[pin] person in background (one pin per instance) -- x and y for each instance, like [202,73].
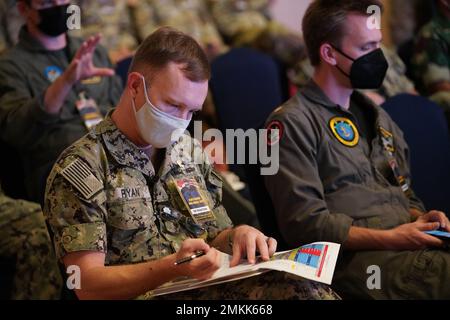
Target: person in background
[248,23]
[191,16]
[431,60]
[10,23]
[113,19]
[53,88]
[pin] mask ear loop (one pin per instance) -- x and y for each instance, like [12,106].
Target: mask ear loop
[345,55]
[145,90]
[133,99]
[133,104]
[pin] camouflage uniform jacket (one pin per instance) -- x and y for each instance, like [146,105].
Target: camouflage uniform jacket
[431,61]
[103,195]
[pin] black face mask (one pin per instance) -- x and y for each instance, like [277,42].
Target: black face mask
[54,20]
[368,71]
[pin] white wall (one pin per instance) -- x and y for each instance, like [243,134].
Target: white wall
[290,12]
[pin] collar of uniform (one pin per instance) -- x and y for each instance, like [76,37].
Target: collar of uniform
[27,41]
[314,93]
[121,148]
[180,154]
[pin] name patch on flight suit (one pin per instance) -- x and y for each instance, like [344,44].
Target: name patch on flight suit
[345,131]
[131,193]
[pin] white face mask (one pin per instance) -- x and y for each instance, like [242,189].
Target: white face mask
[157,128]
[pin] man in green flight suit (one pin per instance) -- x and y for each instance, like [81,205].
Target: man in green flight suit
[344,175]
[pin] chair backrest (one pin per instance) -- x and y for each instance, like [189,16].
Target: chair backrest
[263,204]
[122,69]
[246,86]
[11,172]
[7,273]
[425,129]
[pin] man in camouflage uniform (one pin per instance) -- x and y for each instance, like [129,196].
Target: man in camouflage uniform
[24,239]
[112,199]
[111,18]
[248,23]
[431,61]
[395,82]
[191,16]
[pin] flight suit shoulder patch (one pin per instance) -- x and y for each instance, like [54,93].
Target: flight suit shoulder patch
[275,131]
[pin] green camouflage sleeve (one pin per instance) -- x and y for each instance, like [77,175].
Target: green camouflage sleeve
[77,221]
[431,61]
[26,241]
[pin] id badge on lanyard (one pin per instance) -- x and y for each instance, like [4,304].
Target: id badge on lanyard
[88,110]
[193,199]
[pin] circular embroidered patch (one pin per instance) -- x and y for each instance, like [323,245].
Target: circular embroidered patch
[345,131]
[52,73]
[275,130]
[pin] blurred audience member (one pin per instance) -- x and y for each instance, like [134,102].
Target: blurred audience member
[191,16]
[247,22]
[112,19]
[53,88]
[10,23]
[431,60]
[407,18]
[26,242]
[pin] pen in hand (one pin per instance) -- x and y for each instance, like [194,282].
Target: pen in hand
[197,254]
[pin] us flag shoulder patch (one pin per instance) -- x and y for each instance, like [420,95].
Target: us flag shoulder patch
[80,176]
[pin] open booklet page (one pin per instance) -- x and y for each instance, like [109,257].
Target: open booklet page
[314,261]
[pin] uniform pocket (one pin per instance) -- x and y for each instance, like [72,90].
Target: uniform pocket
[131,214]
[132,233]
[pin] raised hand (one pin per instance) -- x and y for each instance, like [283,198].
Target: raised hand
[82,66]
